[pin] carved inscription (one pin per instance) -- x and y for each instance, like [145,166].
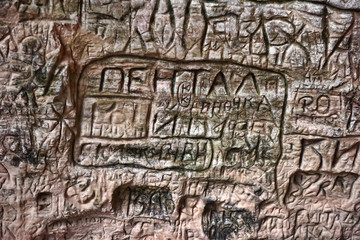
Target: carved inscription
[151,107]
[142,202]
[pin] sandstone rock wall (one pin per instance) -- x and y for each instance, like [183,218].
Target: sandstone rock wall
[179,119]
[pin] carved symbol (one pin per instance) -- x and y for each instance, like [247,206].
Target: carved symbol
[184,94]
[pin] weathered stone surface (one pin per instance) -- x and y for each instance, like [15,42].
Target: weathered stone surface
[179,119]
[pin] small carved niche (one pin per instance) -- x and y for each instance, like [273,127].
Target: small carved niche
[44,201]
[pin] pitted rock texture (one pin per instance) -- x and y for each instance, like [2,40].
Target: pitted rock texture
[179,119]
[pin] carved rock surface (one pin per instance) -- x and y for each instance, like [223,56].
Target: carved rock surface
[179,119]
